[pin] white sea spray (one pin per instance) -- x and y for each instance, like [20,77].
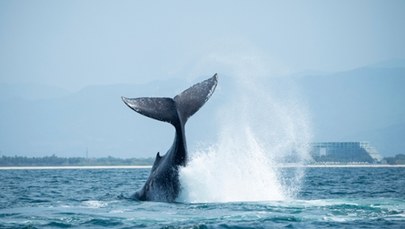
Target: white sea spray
[260,127]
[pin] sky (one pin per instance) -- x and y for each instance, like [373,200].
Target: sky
[73,44]
[65,47]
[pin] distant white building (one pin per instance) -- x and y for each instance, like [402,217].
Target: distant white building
[345,152]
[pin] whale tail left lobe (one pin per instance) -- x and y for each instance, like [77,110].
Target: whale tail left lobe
[177,110]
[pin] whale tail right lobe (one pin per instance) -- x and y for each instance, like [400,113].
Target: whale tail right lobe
[177,110]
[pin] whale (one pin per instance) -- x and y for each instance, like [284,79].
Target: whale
[163,183]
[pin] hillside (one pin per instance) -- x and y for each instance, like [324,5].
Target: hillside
[93,119]
[366,104]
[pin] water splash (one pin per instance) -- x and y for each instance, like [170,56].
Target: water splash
[230,172]
[261,127]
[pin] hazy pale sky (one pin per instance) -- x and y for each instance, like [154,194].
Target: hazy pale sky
[72,44]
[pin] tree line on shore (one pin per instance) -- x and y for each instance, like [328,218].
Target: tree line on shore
[82,161]
[70,161]
[398,159]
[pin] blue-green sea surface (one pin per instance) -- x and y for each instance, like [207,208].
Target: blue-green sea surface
[93,198]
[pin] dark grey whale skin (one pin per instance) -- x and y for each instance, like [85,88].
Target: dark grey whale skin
[163,183]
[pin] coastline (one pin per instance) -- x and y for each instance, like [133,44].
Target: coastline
[76,167]
[149,166]
[343,166]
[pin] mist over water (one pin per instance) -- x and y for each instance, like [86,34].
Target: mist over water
[261,126]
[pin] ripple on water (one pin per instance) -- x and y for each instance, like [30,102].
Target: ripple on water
[90,201]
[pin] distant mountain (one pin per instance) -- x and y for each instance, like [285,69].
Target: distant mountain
[393,63]
[30,91]
[365,104]
[93,119]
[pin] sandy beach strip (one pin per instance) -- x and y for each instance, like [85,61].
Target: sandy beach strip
[341,166]
[149,166]
[76,167]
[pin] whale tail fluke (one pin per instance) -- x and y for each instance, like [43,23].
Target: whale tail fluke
[162,109]
[178,109]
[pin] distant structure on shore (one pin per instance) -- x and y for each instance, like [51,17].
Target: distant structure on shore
[344,152]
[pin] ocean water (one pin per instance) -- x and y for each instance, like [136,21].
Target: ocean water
[95,198]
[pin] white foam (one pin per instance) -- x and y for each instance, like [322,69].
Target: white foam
[225,173]
[94,204]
